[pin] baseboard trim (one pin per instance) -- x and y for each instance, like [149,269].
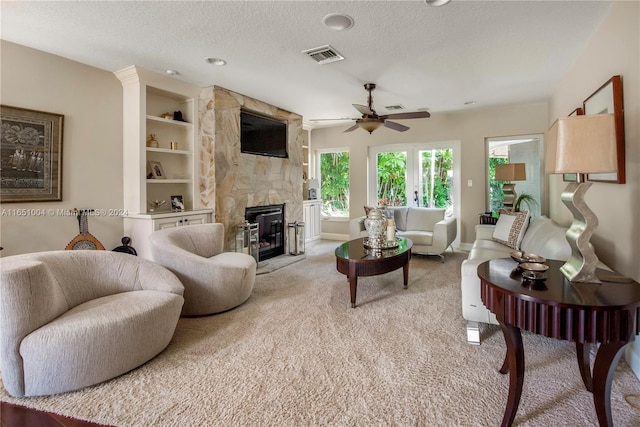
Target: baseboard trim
[334,236]
[465,246]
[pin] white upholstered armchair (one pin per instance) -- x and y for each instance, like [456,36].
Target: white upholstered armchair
[428,229]
[214,281]
[71,319]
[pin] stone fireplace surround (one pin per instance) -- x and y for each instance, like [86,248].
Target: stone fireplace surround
[231,181]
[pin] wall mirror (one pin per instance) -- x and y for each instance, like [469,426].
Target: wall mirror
[608,100]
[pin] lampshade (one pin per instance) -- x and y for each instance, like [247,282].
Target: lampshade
[369,124]
[511,172]
[582,144]
[313,183]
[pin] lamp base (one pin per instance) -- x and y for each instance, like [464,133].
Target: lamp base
[509,191]
[581,265]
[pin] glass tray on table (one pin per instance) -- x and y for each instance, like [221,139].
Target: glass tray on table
[386,244]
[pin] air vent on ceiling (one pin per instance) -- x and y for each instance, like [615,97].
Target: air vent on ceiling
[394,107]
[323,54]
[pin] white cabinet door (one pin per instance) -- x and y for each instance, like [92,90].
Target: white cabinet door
[311,211]
[315,221]
[161,224]
[195,219]
[179,221]
[307,222]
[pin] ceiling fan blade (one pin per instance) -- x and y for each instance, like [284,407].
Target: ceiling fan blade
[414,115]
[363,109]
[395,126]
[352,128]
[334,120]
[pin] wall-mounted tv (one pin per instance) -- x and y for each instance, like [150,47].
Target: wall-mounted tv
[261,135]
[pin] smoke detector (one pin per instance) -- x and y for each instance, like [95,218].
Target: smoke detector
[323,54]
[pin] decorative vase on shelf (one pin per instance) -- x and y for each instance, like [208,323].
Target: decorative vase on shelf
[152,142]
[376,226]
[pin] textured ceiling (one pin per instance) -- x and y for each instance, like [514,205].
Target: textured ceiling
[491,52]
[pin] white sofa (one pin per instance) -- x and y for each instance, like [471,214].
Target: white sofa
[428,229]
[542,237]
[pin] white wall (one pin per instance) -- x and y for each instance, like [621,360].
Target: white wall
[470,128]
[614,49]
[91,102]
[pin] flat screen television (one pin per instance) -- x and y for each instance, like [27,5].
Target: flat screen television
[262,135]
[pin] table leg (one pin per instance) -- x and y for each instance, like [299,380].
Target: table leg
[515,359]
[353,282]
[405,271]
[582,352]
[604,367]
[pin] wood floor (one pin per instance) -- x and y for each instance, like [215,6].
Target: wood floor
[19,416]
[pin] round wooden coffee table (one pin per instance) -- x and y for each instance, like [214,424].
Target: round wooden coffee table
[353,260]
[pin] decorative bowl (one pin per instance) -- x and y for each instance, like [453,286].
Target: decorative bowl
[534,270]
[522,257]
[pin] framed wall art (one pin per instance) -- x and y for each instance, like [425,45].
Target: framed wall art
[30,155]
[608,100]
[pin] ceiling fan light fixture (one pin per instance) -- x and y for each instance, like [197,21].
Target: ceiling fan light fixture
[369,124]
[436,2]
[337,21]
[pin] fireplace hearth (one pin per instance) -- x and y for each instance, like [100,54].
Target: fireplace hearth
[270,220]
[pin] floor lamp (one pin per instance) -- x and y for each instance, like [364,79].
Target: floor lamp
[510,172]
[581,145]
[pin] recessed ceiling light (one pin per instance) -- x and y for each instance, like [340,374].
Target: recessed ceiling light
[436,2]
[337,21]
[215,61]
[172,72]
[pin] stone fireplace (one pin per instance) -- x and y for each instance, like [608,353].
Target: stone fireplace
[231,181]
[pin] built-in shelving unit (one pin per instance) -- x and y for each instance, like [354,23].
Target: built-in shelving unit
[307,169]
[147,97]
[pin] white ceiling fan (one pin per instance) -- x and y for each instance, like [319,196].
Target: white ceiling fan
[371,120]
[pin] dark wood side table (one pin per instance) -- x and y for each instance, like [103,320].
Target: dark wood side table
[353,260]
[487,218]
[586,313]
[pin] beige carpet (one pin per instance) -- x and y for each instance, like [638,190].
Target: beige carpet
[297,354]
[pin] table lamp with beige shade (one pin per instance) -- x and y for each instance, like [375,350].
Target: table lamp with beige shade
[581,145]
[510,172]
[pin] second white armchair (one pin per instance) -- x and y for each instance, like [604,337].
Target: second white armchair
[214,281]
[428,229]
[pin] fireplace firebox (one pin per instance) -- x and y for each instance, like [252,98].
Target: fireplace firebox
[270,220]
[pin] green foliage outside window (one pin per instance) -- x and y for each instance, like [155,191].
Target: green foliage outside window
[496,196]
[437,167]
[334,183]
[392,171]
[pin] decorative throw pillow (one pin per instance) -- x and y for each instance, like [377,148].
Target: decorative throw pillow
[367,209]
[510,228]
